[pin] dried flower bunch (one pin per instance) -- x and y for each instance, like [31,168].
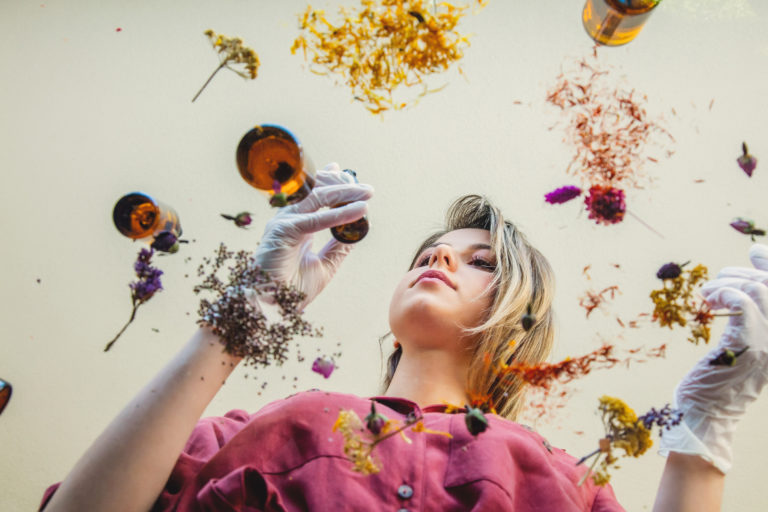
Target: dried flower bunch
[234,313]
[142,290]
[383,45]
[625,431]
[360,440]
[678,303]
[231,51]
[611,130]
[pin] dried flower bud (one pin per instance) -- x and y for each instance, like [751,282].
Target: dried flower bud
[746,161]
[747,227]
[241,220]
[278,200]
[324,366]
[476,421]
[166,241]
[727,357]
[528,319]
[670,270]
[562,194]
[374,422]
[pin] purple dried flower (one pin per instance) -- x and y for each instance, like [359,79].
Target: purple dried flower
[747,227]
[605,204]
[374,422]
[324,366]
[727,357]
[746,161]
[241,220]
[166,242]
[670,270]
[665,419]
[562,194]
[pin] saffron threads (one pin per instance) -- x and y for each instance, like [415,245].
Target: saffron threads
[141,290]
[382,46]
[231,51]
[593,300]
[611,131]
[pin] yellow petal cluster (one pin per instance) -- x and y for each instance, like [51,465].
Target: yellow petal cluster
[382,45]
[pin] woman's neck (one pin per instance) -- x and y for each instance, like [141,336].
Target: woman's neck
[430,377]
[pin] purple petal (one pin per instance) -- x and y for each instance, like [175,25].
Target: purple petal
[562,194]
[747,164]
[323,366]
[743,226]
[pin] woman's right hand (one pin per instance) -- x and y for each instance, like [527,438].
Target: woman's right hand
[285,250]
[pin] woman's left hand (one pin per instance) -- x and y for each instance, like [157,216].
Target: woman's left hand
[713,397]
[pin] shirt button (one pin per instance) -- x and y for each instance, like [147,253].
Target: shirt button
[405,491]
[403,510]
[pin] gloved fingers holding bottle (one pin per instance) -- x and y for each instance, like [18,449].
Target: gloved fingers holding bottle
[285,251]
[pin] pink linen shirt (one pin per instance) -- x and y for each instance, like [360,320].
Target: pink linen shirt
[285,457]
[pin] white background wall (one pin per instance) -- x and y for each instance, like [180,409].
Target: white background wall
[90,113]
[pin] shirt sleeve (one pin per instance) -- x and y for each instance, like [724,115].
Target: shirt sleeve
[207,438]
[605,501]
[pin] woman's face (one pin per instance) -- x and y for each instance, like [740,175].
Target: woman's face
[445,291]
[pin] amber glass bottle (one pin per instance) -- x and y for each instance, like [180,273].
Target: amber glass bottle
[137,215]
[616,22]
[271,159]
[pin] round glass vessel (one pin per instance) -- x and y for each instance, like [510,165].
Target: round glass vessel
[616,22]
[137,215]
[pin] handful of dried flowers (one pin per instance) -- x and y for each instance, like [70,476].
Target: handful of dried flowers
[677,303]
[235,315]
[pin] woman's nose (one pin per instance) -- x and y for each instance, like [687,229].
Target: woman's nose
[444,257]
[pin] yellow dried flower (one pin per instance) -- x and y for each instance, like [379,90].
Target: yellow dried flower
[231,51]
[382,45]
[357,450]
[676,303]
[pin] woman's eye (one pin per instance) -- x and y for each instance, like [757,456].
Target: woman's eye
[424,260]
[484,264]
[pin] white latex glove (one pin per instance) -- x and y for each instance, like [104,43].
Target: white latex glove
[713,398]
[285,250]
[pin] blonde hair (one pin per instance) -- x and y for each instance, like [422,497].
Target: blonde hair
[522,276]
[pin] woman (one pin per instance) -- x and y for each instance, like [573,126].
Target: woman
[464,296]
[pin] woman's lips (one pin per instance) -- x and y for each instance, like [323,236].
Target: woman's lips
[435,274]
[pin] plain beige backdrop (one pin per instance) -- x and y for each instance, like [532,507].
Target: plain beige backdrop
[89,113]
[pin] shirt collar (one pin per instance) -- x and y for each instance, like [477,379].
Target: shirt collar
[405,406]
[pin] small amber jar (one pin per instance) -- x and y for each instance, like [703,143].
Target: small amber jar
[137,215]
[616,22]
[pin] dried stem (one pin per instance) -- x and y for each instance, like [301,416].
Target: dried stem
[209,80]
[133,315]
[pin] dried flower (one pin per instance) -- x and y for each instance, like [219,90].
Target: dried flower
[382,45]
[241,220]
[605,204]
[727,357]
[676,303]
[475,420]
[375,422]
[324,366]
[235,315]
[747,227]
[665,418]
[142,290]
[528,319]
[359,449]
[746,161]
[231,51]
[166,241]
[562,194]
[624,431]
[670,270]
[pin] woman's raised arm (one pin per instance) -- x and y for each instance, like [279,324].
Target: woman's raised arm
[714,395]
[128,465]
